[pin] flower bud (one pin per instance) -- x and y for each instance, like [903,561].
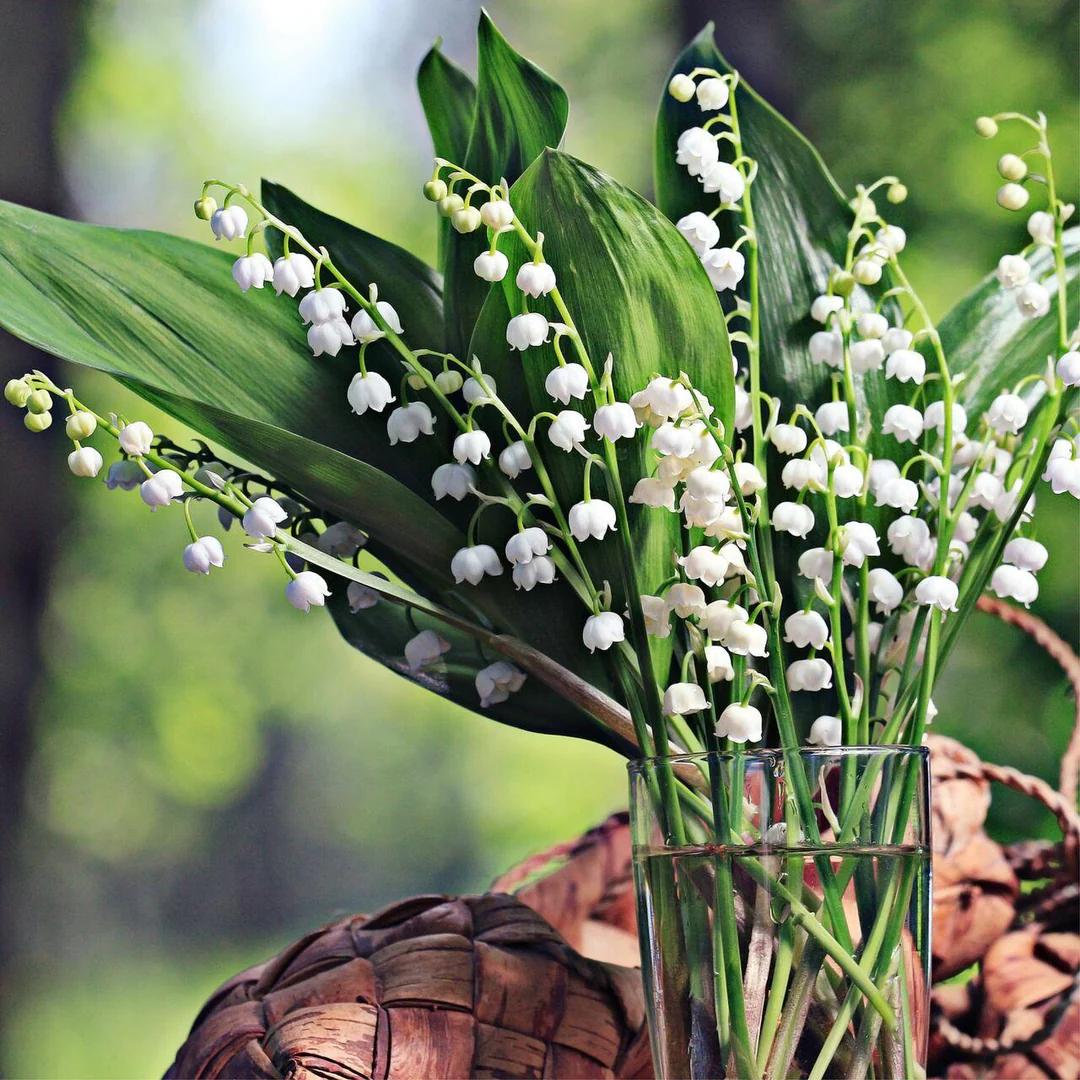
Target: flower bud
[449,382]
[896,193]
[85,461]
[712,94]
[435,190]
[451,204]
[136,439]
[841,282]
[205,207]
[1068,368]
[497,214]
[37,421]
[681,87]
[17,392]
[80,425]
[1012,197]
[866,271]
[415,381]
[986,127]
[39,402]
[1012,167]
[465,220]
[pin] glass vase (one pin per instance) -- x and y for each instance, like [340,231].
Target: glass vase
[784,912]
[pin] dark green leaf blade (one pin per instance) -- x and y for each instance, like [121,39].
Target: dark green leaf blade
[520,110]
[448,97]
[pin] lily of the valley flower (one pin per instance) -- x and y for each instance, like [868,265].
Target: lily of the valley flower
[592,518]
[363,325]
[705,564]
[1032,300]
[718,664]
[657,616]
[262,518]
[712,94]
[229,222]
[615,421]
[252,271]
[794,518]
[523,545]
[85,461]
[528,330]
[725,267]
[938,592]
[1040,227]
[568,429]
[307,590]
[1007,414]
[684,698]
[810,675]
[497,214]
[806,629]
[885,590]
[904,423]
[1012,271]
[826,731]
[686,599]
[1026,554]
[901,493]
[472,563]
[514,459]
[407,423]
[1013,583]
[858,541]
[322,305]
[788,438]
[328,337]
[700,230]
[866,356]
[905,365]
[293,272]
[361,597]
[539,570]
[472,446]
[425,648]
[725,180]
[369,391]
[746,639]
[535,279]
[1068,368]
[491,265]
[204,553]
[697,150]
[125,475]
[816,563]
[602,631]
[498,681]
[161,489]
[452,480]
[136,439]
[739,723]
[567,381]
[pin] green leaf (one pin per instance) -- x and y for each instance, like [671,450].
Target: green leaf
[520,110]
[634,289]
[986,339]
[448,96]
[164,316]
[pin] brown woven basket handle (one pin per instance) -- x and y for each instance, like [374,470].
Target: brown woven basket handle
[1068,661]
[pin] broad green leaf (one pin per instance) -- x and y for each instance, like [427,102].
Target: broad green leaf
[404,280]
[520,110]
[164,315]
[635,290]
[986,339]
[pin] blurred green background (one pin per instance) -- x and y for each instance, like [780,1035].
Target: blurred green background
[193,773]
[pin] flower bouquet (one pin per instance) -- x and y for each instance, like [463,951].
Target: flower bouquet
[699,480]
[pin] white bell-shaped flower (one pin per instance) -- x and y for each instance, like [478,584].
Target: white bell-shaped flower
[369,391]
[136,439]
[491,265]
[497,214]
[203,554]
[328,337]
[655,492]
[884,589]
[498,681]
[794,518]
[788,438]
[802,474]
[593,518]
[748,477]
[725,267]
[697,150]
[568,429]
[712,94]
[425,648]
[252,271]
[700,231]
[1012,583]
[672,439]
[718,664]
[938,592]
[900,493]
[293,272]
[229,222]
[514,459]
[746,639]
[847,481]
[125,475]
[810,675]
[934,417]
[528,330]
[903,422]
[663,399]
[615,421]
[540,570]
[825,307]
[535,279]
[452,480]
[986,489]
[263,517]
[1032,300]
[967,528]
[817,563]
[85,461]
[567,381]
[472,563]
[364,327]
[906,365]
[872,325]
[684,698]
[1007,414]
[806,630]
[705,564]
[161,488]
[523,545]
[709,484]
[826,731]
[361,597]
[896,339]
[725,180]
[866,356]
[307,590]
[739,723]
[341,540]
[657,616]
[832,417]
[882,470]
[472,446]
[686,600]
[322,305]
[858,541]
[1040,227]
[827,347]
[479,389]
[892,238]
[1068,368]
[719,617]
[1063,475]
[1026,554]
[867,270]
[602,631]
[408,422]
[1012,271]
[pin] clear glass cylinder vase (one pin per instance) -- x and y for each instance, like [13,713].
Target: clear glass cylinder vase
[784,911]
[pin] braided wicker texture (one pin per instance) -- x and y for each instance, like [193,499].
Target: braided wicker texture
[474,987]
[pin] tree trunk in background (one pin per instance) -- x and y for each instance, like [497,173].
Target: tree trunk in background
[36,47]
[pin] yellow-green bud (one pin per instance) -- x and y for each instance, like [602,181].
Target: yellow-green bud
[1012,167]
[416,382]
[681,87]
[17,392]
[465,220]
[986,126]
[40,401]
[205,207]
[449,382]
[841,283]
[896,193]
[37,421]
[435,190]
[450,204]
[80,425]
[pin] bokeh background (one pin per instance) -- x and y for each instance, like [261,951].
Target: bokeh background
[192,773]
